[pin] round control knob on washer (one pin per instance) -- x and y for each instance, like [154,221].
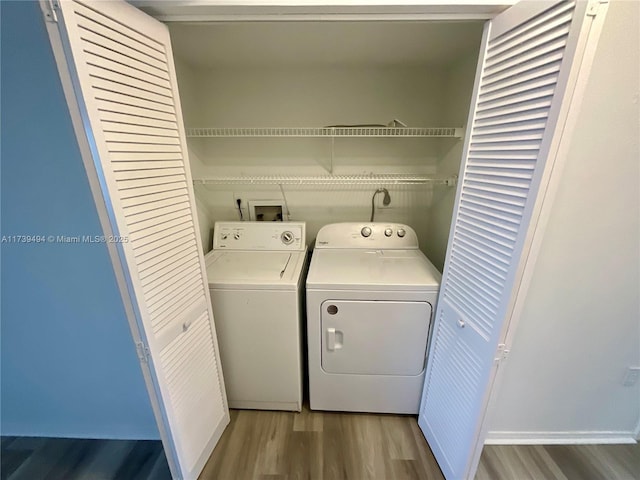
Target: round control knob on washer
[401,232]
[287,237]
[388,232]
[366,231]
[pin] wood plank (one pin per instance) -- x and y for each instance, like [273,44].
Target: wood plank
[313,445]
[108,458]
[43,460]
[140,460]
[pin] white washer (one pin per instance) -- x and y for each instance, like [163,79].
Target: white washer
[370,297]
[256,279]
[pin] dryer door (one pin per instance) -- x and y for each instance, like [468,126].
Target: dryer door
[374,337]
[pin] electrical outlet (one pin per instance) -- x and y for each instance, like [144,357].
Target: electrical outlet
[631,377]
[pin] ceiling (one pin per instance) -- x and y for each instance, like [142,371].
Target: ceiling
[281,44]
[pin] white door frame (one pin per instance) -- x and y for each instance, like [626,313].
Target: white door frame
[407,11]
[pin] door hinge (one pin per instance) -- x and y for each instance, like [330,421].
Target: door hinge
[502,352]
[50,11]
[143,352]
[594,6]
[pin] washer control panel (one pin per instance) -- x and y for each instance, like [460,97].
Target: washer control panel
[259,236]
[367,235]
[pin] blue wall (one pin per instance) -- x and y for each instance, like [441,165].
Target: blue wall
[69,367]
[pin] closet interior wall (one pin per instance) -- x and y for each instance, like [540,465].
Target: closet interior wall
[323,90]
[459,79]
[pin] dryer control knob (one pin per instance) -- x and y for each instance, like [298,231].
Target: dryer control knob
[388,232]
[401,232]
[287,237]
[366,231]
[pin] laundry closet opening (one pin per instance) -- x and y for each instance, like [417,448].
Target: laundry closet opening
[316,116]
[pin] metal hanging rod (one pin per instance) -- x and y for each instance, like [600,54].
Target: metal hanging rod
[330,132]
[389,179]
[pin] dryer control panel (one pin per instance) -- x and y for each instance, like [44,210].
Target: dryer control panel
[376,235]
[280,236]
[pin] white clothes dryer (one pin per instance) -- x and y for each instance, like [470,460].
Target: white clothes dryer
[256,281]
[370,297]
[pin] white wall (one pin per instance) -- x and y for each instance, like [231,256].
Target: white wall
[458,91]
[580,328]
[190,99]
[316,97]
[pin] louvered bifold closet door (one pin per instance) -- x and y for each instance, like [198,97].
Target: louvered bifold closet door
[121,62]
[526,59]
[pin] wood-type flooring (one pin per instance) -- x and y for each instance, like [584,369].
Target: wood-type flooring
[310,445]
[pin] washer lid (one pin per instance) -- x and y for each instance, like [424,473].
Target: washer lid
[359,269]
[237,269]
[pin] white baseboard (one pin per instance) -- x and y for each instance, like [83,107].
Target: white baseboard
[558,438]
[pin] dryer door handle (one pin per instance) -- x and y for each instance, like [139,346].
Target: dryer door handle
[334,339]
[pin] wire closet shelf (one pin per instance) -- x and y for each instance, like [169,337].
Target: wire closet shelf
[327,132]
[388,179]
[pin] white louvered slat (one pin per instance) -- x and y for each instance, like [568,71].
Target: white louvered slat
[157,272]
[498,44]
[499,84]
[133,121]
[516,101]
[478,201]
[135,138]
[156,231]
[510,183]
[85,14]
[530,86]
[501,137]
[98,35]
[127,64]
[123,99]
[497,171]
[130,89]
[134,217]
[124,68]
[167,316]
[170,302]
[483,242]
[164,319]
[159,194]
[133,112]
[137,129]
[542,43]
[163,259]
[178,271]
[132,156]
[522,108]
[176,287]
[516,97]
[102,62]
[513,119]
[530,127]
[154,249]
[128,177]
[134,151]
[493,215]
[452,358]
[191,382]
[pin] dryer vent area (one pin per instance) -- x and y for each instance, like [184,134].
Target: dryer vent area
[352,121]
